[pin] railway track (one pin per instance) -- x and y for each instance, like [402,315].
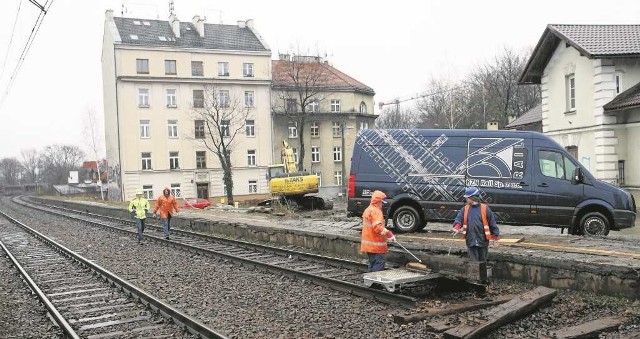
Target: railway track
[84,299]
[338,274]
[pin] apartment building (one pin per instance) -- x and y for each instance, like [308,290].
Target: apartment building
[155,76]
[336,107]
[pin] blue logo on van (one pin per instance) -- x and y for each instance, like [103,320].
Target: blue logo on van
[496,158]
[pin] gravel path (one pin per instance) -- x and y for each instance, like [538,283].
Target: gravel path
[246,303]
[21,313]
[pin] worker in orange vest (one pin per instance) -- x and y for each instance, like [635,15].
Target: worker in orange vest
[477,224]
[374,234]
[166,204]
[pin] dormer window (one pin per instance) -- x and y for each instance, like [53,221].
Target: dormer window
[161,38]
[134,37]
[146,23]
[136,22]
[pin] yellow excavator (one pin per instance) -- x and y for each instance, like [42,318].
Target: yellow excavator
[290,186]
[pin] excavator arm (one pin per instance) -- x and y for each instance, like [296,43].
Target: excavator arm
[288,159]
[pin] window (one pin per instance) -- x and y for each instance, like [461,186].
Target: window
[364,125]
[247,70]
[201,159]
[337,130]
[337,153]
[175,190]
[571,93]
[133,37]
[143,97]
[170,67]
[136,22]
[363,107]
[315,154]
[171,98]
[142,66]
[223,69]
[253,186]
[319,175]
[293,130]
[250,128]
[248,98]
[337,175]
[146,161]
[573,150]
[147,191]
[197,69]
[335,106]
[251,157]
[173,128]
[173,160]
[618,79]
[291,105]
[224,127]
[315,129]
[295,155]
[198,98]
[555,165]
[620,172]
[202,190]
[144,129]
[224,98]
[199,129]
[314,106]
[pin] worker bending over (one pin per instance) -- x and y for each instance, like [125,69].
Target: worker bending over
[477,224]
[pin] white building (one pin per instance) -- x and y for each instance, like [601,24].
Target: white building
[154,73]
[590,79]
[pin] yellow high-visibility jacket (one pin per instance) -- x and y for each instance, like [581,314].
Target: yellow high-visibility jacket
[141,206]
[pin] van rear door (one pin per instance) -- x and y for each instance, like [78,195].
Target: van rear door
[556,196]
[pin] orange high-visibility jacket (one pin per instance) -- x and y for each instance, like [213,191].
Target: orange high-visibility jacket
[373,230]
[485,221]
[165,205]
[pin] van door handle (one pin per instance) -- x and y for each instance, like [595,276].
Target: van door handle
[523,184]
[544,184]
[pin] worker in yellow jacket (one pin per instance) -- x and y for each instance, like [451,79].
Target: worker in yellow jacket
[138,208]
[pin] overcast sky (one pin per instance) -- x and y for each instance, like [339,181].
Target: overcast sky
[393,46]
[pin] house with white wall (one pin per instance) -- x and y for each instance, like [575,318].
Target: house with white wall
[590,82]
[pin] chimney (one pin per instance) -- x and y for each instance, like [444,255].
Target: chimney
[175,25]
[242,24]
[108,14]
[199,24]
[250,23]
[492,126]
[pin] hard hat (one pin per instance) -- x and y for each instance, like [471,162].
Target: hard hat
[139,192]
[471,191]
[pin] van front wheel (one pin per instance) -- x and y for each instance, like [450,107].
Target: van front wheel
[406,219]
[594,224]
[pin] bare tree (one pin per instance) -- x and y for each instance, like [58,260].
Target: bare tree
[444,106]
[10,171]
[391,117]
[223,118]
[299,82]
[92,134]
[58,160]
[31,164]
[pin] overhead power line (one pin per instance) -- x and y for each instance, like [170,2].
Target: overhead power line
[13,30]
[34,32]
[420,96]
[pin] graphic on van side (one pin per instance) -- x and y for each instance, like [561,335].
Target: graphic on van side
[496,158]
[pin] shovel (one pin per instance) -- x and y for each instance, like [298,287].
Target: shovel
[406,250]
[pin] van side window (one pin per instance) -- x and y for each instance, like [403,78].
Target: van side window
[555,165]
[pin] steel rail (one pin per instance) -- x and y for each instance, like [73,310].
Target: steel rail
[193,325]
[340,285]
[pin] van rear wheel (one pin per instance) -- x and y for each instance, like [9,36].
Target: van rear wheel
[594,224]
[406,219]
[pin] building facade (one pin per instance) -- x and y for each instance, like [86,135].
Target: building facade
[337,107]
[155,76]
[590,82]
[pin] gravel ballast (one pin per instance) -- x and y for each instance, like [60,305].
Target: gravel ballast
[245,303]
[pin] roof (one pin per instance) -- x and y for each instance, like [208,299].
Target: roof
[532,116]
[627,99]
[593,41]
[317,74]
[219,37]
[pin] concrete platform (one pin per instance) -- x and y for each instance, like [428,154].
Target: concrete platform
[607,266]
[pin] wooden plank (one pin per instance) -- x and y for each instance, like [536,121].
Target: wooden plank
[466,306]
[581,250]
[588,329]
[503,314]
[510,241]
[441,325]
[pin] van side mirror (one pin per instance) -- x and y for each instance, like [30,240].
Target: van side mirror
[577,176]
